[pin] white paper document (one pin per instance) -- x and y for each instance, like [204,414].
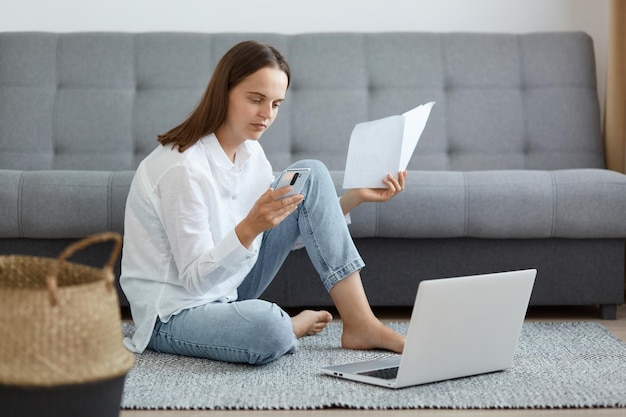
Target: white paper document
[382,147]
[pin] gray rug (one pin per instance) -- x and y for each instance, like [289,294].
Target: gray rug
[557,365]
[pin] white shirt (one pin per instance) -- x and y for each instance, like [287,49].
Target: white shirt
[180,247]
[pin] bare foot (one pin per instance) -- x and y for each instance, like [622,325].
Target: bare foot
[371,334]
[310,322]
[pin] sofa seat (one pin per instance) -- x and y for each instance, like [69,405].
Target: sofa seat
[504,204]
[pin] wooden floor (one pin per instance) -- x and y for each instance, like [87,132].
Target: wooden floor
[617,327]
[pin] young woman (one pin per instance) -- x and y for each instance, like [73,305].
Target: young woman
[205,233]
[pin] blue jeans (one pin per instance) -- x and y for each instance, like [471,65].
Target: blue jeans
[255,331]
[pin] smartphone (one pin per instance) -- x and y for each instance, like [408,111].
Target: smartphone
[294,177]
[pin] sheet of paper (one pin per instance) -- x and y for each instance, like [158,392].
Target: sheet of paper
[382,147]
[414,124]
[365,161]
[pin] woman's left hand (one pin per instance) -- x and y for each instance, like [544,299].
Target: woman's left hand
[356,196]
[380,195]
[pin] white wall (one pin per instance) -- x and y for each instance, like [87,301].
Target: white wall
[296,16]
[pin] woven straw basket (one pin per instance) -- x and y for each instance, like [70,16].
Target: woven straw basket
[61,321]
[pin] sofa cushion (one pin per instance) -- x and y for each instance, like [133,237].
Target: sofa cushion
[520,204]
[62,204]
[524,204]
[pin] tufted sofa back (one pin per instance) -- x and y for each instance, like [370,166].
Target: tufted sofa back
[96,101]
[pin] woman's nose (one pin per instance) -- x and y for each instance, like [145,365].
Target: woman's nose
[267,111]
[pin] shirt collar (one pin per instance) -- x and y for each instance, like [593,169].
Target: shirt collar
[215,153]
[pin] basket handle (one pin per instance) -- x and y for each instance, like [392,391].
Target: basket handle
[109,277]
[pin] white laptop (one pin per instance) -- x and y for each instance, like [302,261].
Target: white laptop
[459,327]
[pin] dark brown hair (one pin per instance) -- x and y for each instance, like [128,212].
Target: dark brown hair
[239,62]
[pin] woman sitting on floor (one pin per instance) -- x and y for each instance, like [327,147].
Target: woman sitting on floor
[205,233]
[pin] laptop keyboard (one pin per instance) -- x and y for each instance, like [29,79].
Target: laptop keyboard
[385,373]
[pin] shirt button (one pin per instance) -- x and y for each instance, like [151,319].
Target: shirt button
[233,197]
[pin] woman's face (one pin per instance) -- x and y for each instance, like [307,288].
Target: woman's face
[253,105]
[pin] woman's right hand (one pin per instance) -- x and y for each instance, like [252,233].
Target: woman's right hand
[266,213]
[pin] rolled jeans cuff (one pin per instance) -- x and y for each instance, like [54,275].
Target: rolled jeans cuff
[334,277]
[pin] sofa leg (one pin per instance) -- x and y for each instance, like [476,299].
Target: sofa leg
[608,311]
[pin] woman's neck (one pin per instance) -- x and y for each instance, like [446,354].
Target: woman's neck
[229,146]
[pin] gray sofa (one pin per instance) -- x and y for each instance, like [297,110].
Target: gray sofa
[509,172]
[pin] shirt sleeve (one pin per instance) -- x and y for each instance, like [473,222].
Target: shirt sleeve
[203,263]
